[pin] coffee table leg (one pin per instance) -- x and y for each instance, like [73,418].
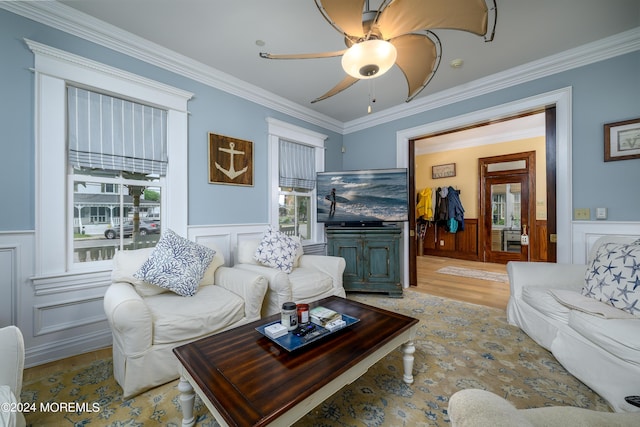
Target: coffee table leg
[408,349]
[187,398]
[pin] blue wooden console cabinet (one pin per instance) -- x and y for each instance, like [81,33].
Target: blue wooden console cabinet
[372,256]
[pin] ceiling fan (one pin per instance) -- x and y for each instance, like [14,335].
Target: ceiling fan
[398,32]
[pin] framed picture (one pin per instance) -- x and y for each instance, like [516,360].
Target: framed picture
[622,140]
[230,160]
[443,171]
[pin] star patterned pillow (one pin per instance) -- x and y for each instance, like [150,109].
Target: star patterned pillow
[277,250]
[176,264]
[614,276]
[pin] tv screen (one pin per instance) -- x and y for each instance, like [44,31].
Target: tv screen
[362,197]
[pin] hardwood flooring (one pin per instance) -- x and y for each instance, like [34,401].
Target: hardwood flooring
[468,289]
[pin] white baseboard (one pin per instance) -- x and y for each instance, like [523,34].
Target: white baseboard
[61,349]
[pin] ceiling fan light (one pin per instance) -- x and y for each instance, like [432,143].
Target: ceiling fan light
[369,59]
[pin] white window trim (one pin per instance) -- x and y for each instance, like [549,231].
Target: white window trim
[282,130]
[53,69]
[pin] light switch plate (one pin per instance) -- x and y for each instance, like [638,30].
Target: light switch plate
[601,213]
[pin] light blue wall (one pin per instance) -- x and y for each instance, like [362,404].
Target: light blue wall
[211,110]
[603,92]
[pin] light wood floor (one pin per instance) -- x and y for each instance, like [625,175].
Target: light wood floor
[476,291]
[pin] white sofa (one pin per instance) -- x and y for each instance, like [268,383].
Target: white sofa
[11,369]
[481,408]
[147,325]
[597,343]
[313,277]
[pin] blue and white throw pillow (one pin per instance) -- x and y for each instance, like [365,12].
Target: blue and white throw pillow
[614,276]
[278,250]
[176,264]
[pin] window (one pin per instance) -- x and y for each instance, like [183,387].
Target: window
[498,209]
[296,154]
[109,188]
[297,186]
[505,205]
[63,189]
[117,151]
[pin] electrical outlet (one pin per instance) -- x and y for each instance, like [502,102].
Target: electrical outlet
[582,213]
[441,242]
[601,213]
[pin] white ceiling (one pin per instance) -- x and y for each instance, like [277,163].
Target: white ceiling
[222,35]
[529,126]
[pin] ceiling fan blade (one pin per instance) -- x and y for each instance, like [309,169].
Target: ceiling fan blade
[343,15]
[344,84]
[406,16]
[418,59]
[303,55]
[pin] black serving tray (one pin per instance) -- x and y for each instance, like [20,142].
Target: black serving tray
[291,342]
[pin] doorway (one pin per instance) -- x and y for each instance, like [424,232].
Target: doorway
[507,206]
[557,106]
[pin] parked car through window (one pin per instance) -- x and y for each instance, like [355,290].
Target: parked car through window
[127,229]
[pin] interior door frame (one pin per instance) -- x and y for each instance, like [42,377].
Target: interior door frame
[529,215]
[561,101]
[413,235]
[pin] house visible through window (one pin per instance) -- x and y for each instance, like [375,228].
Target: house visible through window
[117,162]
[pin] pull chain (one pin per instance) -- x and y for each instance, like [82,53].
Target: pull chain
[372,94]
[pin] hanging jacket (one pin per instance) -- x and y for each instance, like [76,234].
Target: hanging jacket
[442,205]
[433,203]
[455,210]
[424,208]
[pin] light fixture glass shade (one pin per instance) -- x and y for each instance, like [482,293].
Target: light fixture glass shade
[369,59]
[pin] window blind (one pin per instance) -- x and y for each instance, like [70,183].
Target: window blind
[297,165]
[109,133]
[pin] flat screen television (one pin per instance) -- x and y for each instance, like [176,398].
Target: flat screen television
[364,197]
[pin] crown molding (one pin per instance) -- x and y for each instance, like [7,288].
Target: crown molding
[609,47]
[58,56]
[67,19]
[71,21]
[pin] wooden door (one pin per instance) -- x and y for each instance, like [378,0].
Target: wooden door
[507,197]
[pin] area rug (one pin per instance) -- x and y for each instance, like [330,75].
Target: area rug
[458,346]
[476,274]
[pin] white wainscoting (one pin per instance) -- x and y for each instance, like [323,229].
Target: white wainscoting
[585,233]
[225,238]
[62,316]
[59,316]
[16,262]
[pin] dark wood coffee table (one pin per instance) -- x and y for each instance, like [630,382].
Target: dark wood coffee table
[245,379]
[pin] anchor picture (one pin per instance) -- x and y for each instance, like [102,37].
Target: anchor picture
[230,160]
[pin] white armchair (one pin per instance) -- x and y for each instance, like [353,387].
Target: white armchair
[146,324]
[313,277]
[11,368]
